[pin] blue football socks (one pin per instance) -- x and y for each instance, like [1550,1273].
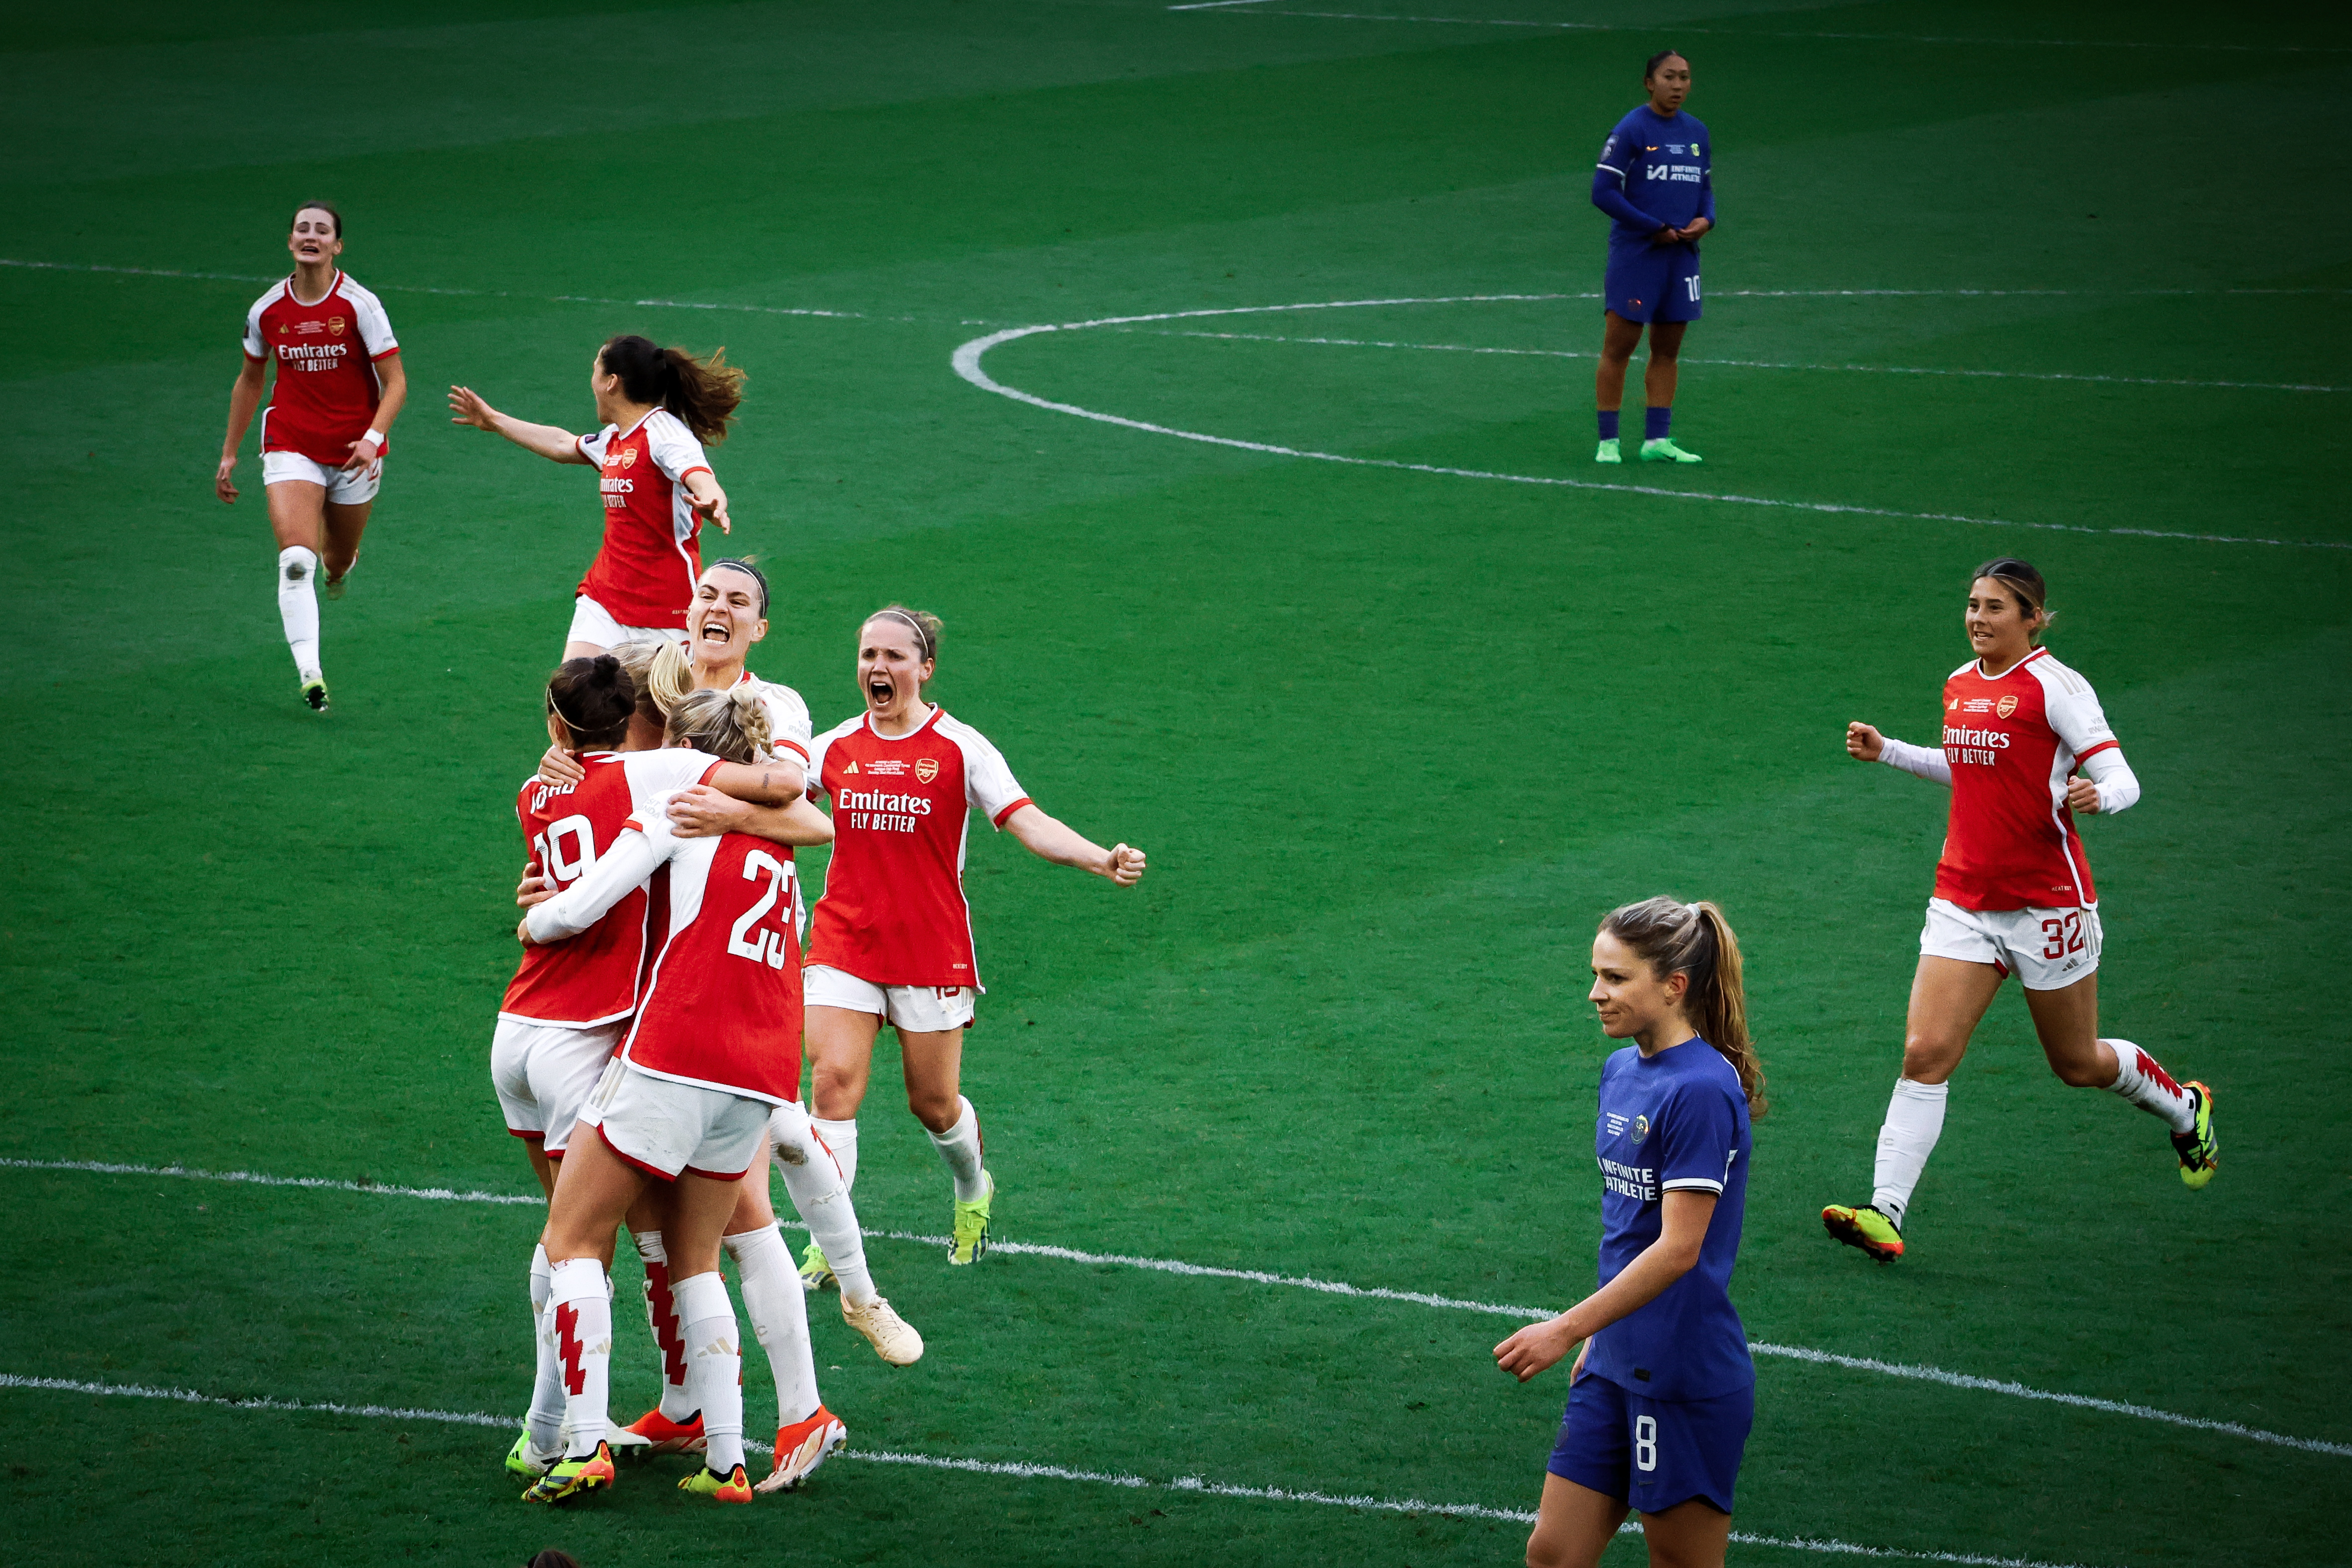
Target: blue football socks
[1656,422]
[1608,424]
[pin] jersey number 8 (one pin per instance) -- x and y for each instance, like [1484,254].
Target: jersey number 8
[1645,1443]
[764,945]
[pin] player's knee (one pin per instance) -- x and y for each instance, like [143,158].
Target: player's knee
[937,1111]
[1930,1058]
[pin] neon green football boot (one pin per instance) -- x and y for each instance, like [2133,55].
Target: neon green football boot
[1608,452]
[527,1461]
[1664,450]
[816,1274]
[971,1226]
[1866,1228]
[574,1477]
[314,692]
[2199,1150]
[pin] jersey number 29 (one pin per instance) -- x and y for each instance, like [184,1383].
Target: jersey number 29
[750,939]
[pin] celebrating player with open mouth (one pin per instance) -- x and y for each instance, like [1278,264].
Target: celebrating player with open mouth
[1662,1398]
[713,1052]
[659,407]
[891,941]
[323,436]
[1656,178]
[2013,892]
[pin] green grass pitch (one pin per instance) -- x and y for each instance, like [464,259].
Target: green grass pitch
[2072,281]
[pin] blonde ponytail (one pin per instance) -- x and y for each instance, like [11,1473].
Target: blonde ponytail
[733,723]
[670,676]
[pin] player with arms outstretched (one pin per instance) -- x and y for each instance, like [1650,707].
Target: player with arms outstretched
[324,433]
[891,939]
[2013,892]
[1656,179]
[1662,1398]
[659,408]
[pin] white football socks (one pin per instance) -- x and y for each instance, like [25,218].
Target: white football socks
[960,1151]
[2139,1079]
[714,1367]
[545,1419]
[582,1307]
[662,1317]
[773,1301]
[841,1140]
[814,1181]
[298,607]
[1915,1120]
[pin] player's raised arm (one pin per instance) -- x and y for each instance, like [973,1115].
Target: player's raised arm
[1049,838]
[551,442]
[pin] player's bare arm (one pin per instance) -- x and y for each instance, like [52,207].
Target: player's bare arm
[394,379]
[1862,743]
[1050,839]
[703,812]
[1682,1222]
[244,401]
[709,499]
[553,443]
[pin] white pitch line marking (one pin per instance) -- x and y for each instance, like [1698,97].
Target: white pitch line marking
[1016,1469]
[1761,33]
[1758,364]
[966,363]
[1261,1277]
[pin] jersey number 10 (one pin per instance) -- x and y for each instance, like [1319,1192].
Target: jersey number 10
[750,939]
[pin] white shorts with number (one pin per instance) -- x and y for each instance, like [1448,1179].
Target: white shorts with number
[344,487]
[543,1073]
[592,623]
[663,1126]
[925,1009]
[2049,949]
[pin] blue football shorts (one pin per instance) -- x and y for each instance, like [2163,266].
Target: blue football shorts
[1653,1454]
[1652,282]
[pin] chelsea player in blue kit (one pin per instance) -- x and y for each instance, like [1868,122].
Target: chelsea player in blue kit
[1656,179]
[1661,1400]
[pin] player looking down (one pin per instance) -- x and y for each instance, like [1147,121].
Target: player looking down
[323,436]
[714,1049]
[1656,179]
[2013,892]
[891,940]
[659,407]
[1661,1396]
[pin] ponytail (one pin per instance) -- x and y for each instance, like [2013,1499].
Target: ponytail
[594,698]
[733,723]
[704,393]
[1694,939]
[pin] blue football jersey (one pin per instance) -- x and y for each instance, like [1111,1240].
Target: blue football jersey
[1677,1119]
[1666,167]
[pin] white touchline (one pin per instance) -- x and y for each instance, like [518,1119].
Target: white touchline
[1761,33]
[1753,364]
[1261,1277]
[966,363]
[1014,1468]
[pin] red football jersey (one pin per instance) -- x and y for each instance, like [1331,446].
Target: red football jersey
[327,390]
[893,910]
[593,978]
[2012,743]
[645,572]
[723,1011]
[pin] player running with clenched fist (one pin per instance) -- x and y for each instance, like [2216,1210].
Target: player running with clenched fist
[323,435]
[2013,892]
[659,407]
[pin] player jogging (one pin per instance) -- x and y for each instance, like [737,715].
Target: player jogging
[2013,892]
[323,435]
[659,407]
[1656,179]
[891,941]
[1661,1396]
[713,1051]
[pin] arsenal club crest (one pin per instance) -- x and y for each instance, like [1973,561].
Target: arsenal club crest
[926,769]
[2004,707]
[628,456]
[335,325]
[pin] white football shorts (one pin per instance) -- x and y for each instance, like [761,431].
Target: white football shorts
[344,489]
[664,1127]
[543,1073]
[2048,949]
[925,1009]
[592,623]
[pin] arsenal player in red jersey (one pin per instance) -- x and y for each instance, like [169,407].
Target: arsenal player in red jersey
[2013,892]
[891,941]
[324,436]
[659,408]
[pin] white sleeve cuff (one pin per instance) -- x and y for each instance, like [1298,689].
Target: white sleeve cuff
[1693,1184]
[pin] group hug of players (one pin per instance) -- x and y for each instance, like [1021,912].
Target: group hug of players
[649,1050]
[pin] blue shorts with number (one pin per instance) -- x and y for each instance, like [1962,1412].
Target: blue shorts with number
[1652,282]
[1652,1454]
